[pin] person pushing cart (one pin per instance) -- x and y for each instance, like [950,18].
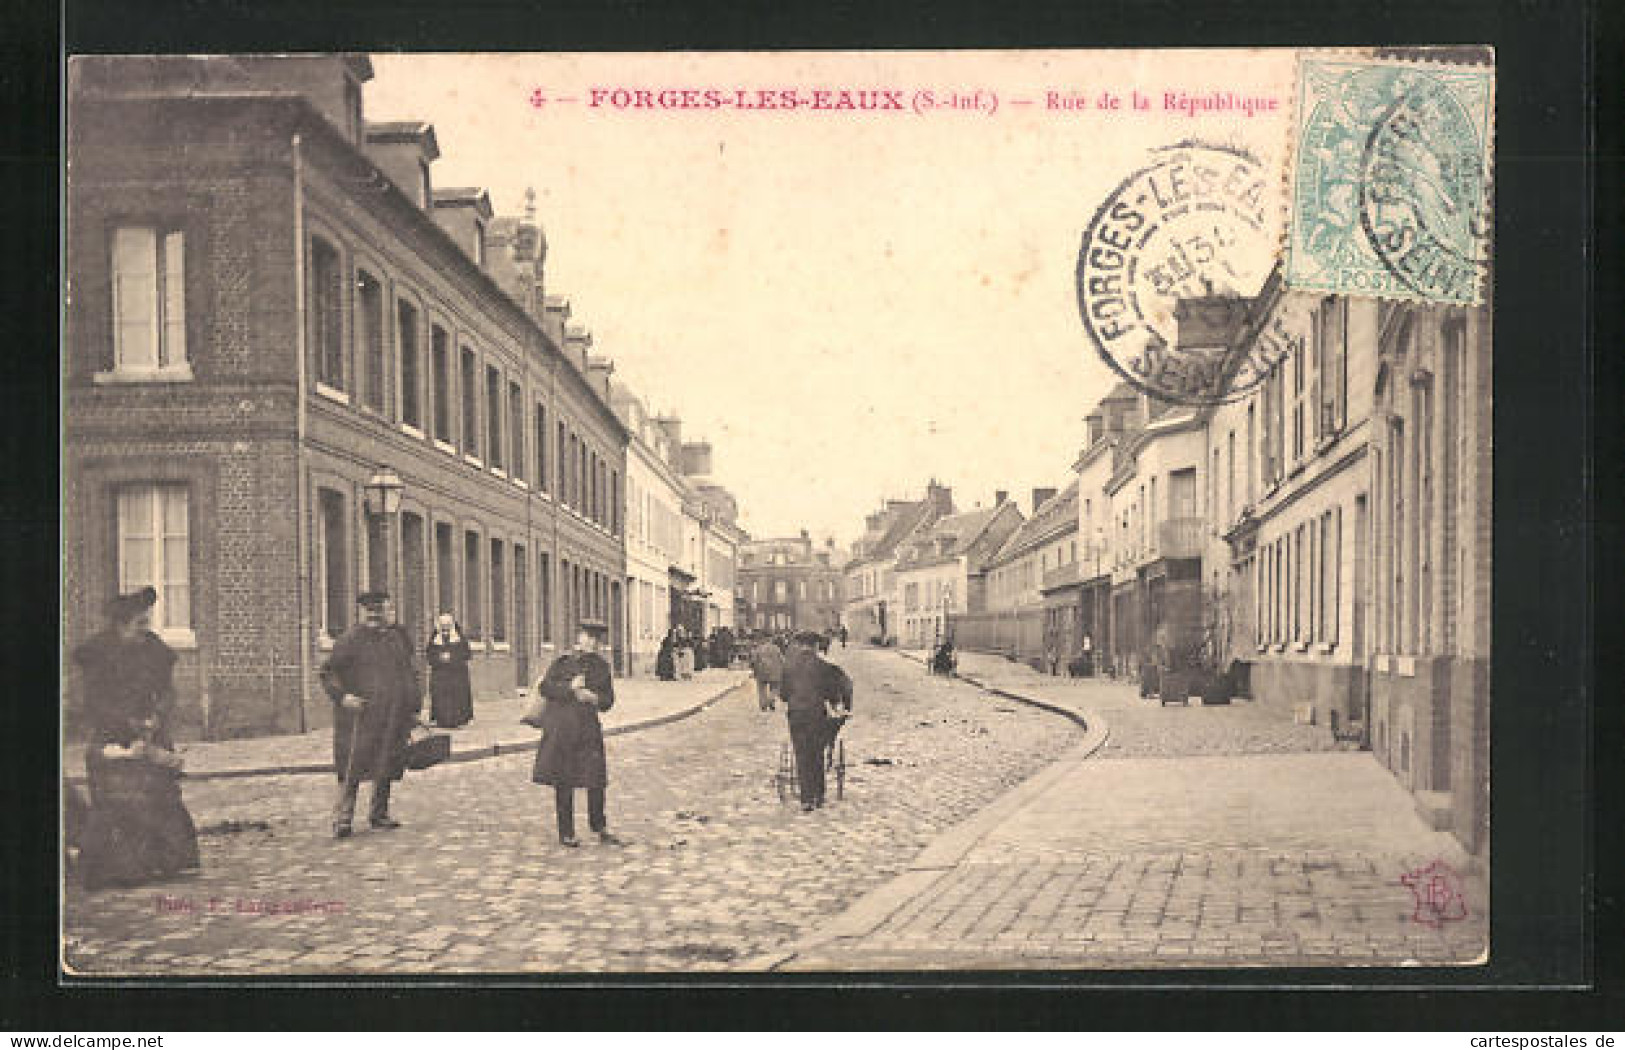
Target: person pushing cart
[818,701]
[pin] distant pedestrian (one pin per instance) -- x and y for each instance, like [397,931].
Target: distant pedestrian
[843,636]
[576,687]
[698,649]
[666,660]
[767,664]
[137,827]
[377,699]
[451,700]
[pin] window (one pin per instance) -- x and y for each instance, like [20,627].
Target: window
[781,592]
[327,314]
[406,334]
[369,338]
[154,551]
[1425,510]
[1297,364]
[493,417]
[425,193]
[499,593]
[1331,345]
[441,353]
[471,398]
[149,300]
[479,243]
[539,465]
[445,567]
[544,597]
[1230,477]
[516,429]
[801,590]
[1396,495]
[333,562]
[562,451]
[615,502]
[1250,465]
[473,604]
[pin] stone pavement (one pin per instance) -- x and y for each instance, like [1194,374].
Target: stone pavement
[495,729]
[717,871]
[1174,836]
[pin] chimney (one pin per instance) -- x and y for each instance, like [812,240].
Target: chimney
[577,344]
[940,495]
[1097,429]
[999,496]
[464,212]
[1040,497]
[556,318]
[697,458]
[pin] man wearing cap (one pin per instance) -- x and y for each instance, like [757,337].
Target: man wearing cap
[571,755]
[807,687]
[372,679]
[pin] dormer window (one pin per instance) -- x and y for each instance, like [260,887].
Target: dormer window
[352,108]
[425,193]
[479,243]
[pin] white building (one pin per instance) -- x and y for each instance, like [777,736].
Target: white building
[655,493]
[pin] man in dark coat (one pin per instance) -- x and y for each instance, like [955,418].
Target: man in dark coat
[808,687]
[571,755]
[377,699]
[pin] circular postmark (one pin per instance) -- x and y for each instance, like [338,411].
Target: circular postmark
[1188,235]
[1422,191]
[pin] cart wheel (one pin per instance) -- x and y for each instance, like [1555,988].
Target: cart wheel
[840,769]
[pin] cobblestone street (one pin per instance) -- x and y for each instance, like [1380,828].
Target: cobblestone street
[716,869]
[1216,836]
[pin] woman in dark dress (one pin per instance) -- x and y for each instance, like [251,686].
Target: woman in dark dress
[451,700]
[138,828]
[666,660]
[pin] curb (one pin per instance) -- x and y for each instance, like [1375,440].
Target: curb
[943,854]
[472,754]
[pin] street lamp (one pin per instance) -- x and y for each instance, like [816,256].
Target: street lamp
[383,499]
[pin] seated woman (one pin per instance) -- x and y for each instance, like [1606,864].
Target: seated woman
[138,828]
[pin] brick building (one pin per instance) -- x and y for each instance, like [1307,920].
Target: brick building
[269,300]
[790,584]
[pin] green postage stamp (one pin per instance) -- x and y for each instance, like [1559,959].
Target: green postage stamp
[1390,180]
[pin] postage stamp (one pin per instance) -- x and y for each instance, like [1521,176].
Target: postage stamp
[1192,226]
[1390,180]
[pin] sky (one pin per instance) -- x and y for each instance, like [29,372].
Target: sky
[846,304]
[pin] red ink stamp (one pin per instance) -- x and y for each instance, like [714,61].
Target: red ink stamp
[1438,892]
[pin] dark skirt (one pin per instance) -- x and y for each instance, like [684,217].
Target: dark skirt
[138,828]
[451,700]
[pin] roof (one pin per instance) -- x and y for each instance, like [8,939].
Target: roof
[1053,517]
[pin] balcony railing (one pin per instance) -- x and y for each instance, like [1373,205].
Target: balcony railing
[1181,537]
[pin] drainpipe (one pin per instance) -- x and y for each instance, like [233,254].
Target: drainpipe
[302,466]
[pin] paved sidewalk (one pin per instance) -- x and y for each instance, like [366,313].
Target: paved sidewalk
[1171,837]
[496,730]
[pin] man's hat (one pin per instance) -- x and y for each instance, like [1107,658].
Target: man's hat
[598,628]
[372,599]
[127,607]
[806,638]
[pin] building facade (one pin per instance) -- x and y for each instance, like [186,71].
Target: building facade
[791,584]
[1012,618]
[655,492]
[872,595]
[269,302]
[934,571]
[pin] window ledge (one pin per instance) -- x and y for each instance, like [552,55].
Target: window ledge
[1326,647]
[501,647]
[125,376]
[324,641]
[407,428]
[474,461]
[178,637]
[1300,647]
[332,394]
[446,447]
[521,482]
[1406,666]
[499,472]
